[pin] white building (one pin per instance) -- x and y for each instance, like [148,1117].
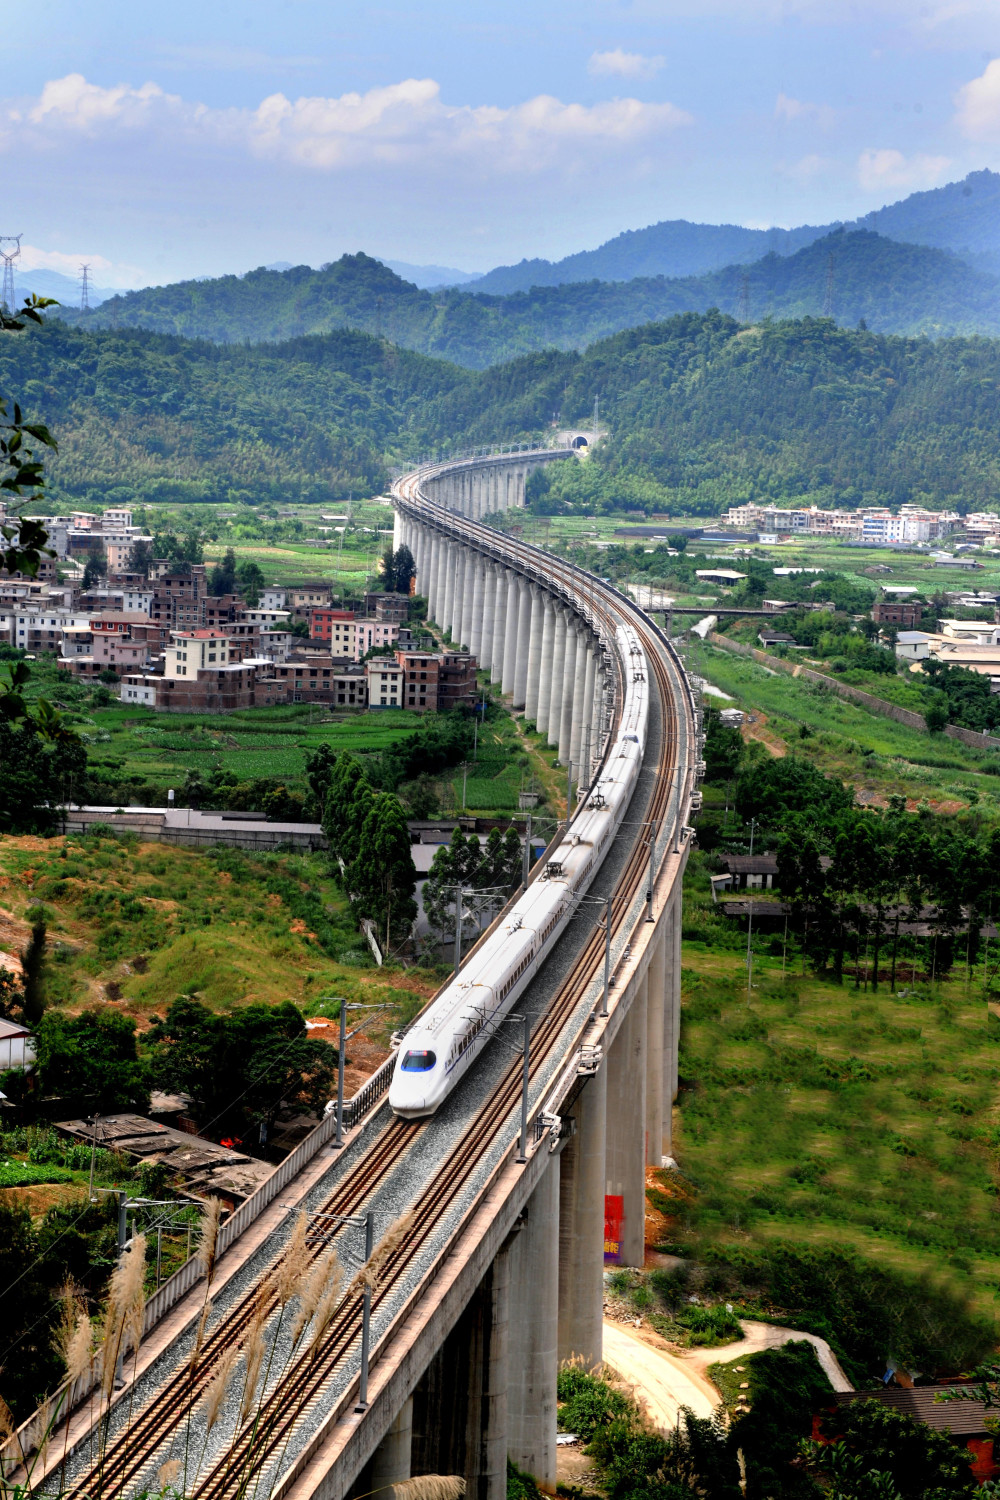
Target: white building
[17,1049]
[913,645]
[385,682]
[194,651]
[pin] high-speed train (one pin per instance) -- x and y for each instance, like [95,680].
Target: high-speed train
[444,1042]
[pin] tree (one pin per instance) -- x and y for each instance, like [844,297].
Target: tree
[140,558]
[770,789]
[723,748]
[91,1061]
[222,579]
[874,1441]
[243,1067]
[95,569]
[33,969]
[22,474]
[404,570]
[382,873]
[41,758]
[250,581]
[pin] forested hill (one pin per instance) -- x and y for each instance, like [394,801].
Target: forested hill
[703,413]
[960,216]
[894,287]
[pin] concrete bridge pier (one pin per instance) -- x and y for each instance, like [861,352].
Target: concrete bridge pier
[522,642]
[499,623]
[533,679]
[534,1334]
[626,1152]
[557,692]
[581,1225]
[510,635]
[391,1463]
[545,665]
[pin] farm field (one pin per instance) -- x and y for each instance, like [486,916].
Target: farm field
[815,1115]
[877,755]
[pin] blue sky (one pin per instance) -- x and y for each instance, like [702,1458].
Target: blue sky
[161,141]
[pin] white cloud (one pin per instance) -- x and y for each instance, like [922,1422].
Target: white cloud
[620,64]
[887,168]
[405,122]
[978,104]
[35,259]
[809,168]
[790,109]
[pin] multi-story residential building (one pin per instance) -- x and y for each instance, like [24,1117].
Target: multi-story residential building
[334,627]
[324,679]
[194,651]
[456,680]
[385,682]
[421,671]
[905,613]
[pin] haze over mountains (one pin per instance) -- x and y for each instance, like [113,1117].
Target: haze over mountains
[894,287]
[961,216]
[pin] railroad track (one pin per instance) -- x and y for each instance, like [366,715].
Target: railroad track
[130,1453]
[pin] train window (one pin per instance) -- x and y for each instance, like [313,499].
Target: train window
[418,1062]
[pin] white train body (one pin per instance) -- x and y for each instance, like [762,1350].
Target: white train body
[446,1040]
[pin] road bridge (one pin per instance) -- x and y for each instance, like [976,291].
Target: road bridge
[494,1273]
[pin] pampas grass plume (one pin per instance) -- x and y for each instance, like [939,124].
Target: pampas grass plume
[329,1299]
[209,1238]
[168,1472]
[292,1266]
[429,1487]
[313,1289]
[199,1337]
[218,1386]
[373,1270]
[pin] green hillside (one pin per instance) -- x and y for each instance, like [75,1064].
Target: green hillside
[702,412]
[895,287]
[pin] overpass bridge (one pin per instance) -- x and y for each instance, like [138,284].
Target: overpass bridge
[492,1260]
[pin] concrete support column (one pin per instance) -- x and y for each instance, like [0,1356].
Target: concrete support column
[581,1226]
[499,625]
[462,581]
[523,641]
[534,1329]
[671,1012]
[579,686]
[656,1035]
[534,654]
[391,1460]
[587,730]
[468,597]
[449,559]
[478,607]
[435,599]
[510,633]
[558,660]
[574,642]
[493,1463]
[545,665]
[397,530]
[489,616]
[626,1158]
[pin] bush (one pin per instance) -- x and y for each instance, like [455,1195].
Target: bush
[588,1403]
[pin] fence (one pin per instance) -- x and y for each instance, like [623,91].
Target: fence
[66,1398]
[874,705]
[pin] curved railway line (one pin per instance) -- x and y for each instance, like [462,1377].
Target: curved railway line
[131,1454]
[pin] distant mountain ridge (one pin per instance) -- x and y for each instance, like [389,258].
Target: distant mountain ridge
[963,217]
[894,287]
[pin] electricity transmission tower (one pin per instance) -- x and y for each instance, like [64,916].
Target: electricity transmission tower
[743,312]
[10,250]
[828,295]
[85,288]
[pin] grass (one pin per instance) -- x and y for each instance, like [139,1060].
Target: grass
[876,754]
[137,924]
[820,1115]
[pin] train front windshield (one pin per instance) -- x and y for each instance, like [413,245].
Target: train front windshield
[418,1062]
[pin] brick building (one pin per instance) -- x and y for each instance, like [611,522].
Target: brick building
[906,613]
[421,670]
[324,679]
[456,680]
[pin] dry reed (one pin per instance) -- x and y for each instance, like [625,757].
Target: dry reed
[6,1421]
[429,1487]
[253,1347]
[293,1265]
[199,1337]
[125,1292]
[168,1472]
[372,1272]
[313,1289]
[218,1387]
[329,1300]
[209,1239]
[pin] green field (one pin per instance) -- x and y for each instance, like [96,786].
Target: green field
[826,1115]
[876,754]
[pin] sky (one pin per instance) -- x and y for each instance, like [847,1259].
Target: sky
[159,142]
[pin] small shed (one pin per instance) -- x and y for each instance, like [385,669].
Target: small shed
[750,871]
[17,1048]
[964,1421]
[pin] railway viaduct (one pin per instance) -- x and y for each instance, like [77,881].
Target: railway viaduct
[499,1275]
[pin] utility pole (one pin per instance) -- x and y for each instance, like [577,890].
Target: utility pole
[753,826]
[522,1153]
[526,865]
[459,896]
[607,957]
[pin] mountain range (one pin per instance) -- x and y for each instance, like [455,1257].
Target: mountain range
[853,275]
[961,216]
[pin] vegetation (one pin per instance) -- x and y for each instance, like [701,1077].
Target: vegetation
[900,288]
[704,413]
